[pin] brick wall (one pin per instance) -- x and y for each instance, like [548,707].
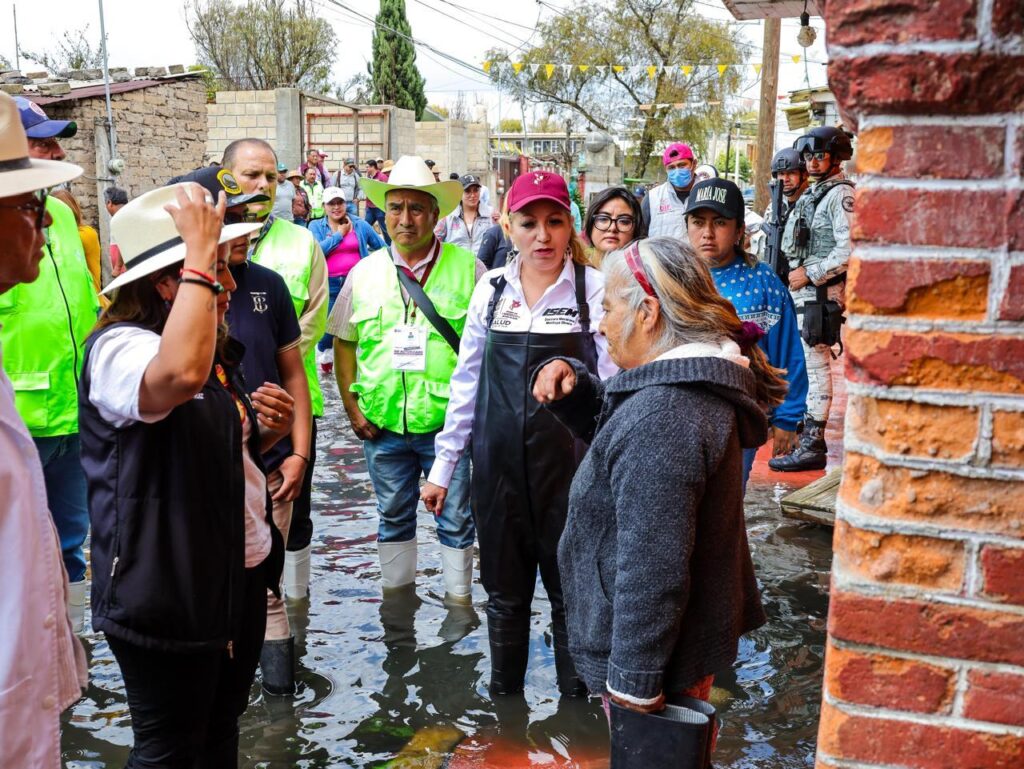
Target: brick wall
[161,132]
[238,115]
[925,660]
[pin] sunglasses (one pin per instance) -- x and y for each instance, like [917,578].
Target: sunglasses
[604,222]
[814,156]
[37,206]
[238,217]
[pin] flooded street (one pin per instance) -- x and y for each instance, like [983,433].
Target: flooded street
[403,683]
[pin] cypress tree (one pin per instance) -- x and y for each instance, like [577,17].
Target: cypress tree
[396,80]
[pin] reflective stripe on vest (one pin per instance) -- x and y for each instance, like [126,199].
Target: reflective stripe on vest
[413,402]
[289,250]
[666,213]
[45,324]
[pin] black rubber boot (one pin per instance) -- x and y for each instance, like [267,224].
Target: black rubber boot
[810,454]
[675,738]
[705,708]
[510,651]
[569,684]
[277,665]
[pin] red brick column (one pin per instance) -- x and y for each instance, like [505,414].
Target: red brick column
[925,660]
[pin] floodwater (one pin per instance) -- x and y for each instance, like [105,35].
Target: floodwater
[404,683]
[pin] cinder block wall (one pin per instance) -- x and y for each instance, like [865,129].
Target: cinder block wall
[239,115]
[925,658]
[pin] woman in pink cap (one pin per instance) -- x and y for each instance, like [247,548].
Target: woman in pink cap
[544,303]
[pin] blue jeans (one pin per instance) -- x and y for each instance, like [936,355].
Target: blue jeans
[395,463]
[66,495]
[377,215]
[333,289]
[748,463]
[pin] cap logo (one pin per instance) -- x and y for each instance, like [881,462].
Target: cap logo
[37,109]
[538,179]
[714,194]
[228,183]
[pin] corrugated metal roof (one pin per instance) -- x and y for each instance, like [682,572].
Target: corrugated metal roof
[764,9]
[94,90]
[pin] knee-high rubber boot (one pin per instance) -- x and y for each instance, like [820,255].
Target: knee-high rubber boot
[509,639]
[76,605]
[277,664]
[707,709]
[569,683]
[675,738]
[295,579]
[397,563]
[810,454]
[457,567]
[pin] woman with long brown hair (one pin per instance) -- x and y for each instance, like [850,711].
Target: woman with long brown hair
[659,583]
[544,302]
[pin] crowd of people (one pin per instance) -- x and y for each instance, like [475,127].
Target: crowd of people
[576,400]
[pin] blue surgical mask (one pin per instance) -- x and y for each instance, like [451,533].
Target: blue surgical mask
[680,177]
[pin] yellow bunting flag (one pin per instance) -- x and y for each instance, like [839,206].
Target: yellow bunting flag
[487,66]
[687,69]
[651,72]
[796,58]
[618,67]
[757,68]
[584,67]
[517,67]
[722,68]
[549,70]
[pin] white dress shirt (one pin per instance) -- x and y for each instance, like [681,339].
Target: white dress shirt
[554,313]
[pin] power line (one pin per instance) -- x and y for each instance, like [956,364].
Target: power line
[489,17]
[467,24]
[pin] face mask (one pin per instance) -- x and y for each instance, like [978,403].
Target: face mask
[680,177]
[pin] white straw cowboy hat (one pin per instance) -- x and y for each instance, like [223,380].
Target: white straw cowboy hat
[18,172]
[411,173]
[146,235]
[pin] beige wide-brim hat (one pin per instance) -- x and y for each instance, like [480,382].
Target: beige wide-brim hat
[147,237]
[18,172]
[411,173]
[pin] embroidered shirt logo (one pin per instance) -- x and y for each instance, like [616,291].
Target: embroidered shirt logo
[259,301]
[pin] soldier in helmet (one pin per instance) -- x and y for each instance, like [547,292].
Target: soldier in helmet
[816,242]
[789,168]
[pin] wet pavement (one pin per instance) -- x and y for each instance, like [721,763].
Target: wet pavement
[403,683]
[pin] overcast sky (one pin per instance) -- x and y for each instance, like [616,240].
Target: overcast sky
[154,33]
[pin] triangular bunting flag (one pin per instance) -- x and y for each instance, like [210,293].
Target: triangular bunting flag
[687,69]
[679,105]
[663,106]
[757,68]
[549,69]
[517,67]
[722,68]
[534,68]
[618,67]
[652,71]
[487,66]
[584,67]
[567,69]
[796,58]
[603,68]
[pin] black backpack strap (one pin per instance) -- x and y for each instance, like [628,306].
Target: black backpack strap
[581,297]
[421,300]
[498,283]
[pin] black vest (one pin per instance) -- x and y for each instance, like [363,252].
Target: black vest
[167,506]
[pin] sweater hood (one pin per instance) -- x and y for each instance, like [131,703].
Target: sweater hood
[723,378]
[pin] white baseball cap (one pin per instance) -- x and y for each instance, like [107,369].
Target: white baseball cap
[334,193]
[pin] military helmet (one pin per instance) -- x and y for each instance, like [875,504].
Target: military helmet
[825,139]
[787,159]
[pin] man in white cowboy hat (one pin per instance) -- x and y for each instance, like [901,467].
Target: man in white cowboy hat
[291,251]
[42,664]
[44,354]
[397,323]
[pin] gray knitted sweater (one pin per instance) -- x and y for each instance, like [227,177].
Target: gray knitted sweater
[655,565]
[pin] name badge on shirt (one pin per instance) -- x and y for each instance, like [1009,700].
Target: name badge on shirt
[409,348]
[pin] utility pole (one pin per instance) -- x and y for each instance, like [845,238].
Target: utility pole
[17,51]
[766,115]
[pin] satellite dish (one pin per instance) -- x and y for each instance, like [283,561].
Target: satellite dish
[597,141]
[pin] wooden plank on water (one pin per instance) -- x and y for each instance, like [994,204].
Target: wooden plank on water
[815,502]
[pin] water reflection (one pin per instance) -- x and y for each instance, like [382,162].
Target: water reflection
[402,682]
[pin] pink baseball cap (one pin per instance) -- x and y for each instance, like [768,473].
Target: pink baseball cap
[538,185]
[676,151]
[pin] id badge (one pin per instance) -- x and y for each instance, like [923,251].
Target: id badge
[409,348]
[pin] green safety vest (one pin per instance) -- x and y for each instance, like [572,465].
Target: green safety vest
[289,250]
[316,199]
[407,402]
[45,324]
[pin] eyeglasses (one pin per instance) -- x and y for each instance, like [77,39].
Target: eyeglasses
[604,222]
[37,206]
[814,156]
[238,217]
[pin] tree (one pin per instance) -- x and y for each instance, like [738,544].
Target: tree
[510,125]
[5,66]
[726,165]
[71,51]
[439,110]
[396,80]
[358,89]
[634,51]
[263,44]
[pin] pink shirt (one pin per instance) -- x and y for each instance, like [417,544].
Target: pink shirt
[344,256]
[42,664]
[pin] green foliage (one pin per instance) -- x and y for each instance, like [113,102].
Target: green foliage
[263,44]
[510,125]
[209,80]
[4,64]
[726,166]
[396,79]
[71,51]
[632,33]
[442,111]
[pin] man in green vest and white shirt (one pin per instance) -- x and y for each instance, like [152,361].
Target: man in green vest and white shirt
[293,253]
[394,358]
[45,324]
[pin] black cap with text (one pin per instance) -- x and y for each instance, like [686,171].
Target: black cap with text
[720,195]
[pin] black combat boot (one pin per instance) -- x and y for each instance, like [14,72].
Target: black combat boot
[810,454]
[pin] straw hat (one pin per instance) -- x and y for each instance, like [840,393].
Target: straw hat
[147,237]
[18,172]
[411,173]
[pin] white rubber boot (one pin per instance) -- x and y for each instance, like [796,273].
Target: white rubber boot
[295,579]
[397,563]
[76,605]
[457,567]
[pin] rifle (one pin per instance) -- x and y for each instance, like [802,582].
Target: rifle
[773,228]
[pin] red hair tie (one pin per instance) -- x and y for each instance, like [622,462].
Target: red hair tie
[636,266]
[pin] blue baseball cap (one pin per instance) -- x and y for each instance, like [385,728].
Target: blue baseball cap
[38,126]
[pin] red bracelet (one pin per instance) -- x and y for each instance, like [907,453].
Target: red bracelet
[203,275]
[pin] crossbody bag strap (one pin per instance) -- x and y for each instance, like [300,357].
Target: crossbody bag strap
[498,283]
[581,297]
[421,300]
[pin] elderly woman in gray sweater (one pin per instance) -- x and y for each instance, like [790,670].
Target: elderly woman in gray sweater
[656,507]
